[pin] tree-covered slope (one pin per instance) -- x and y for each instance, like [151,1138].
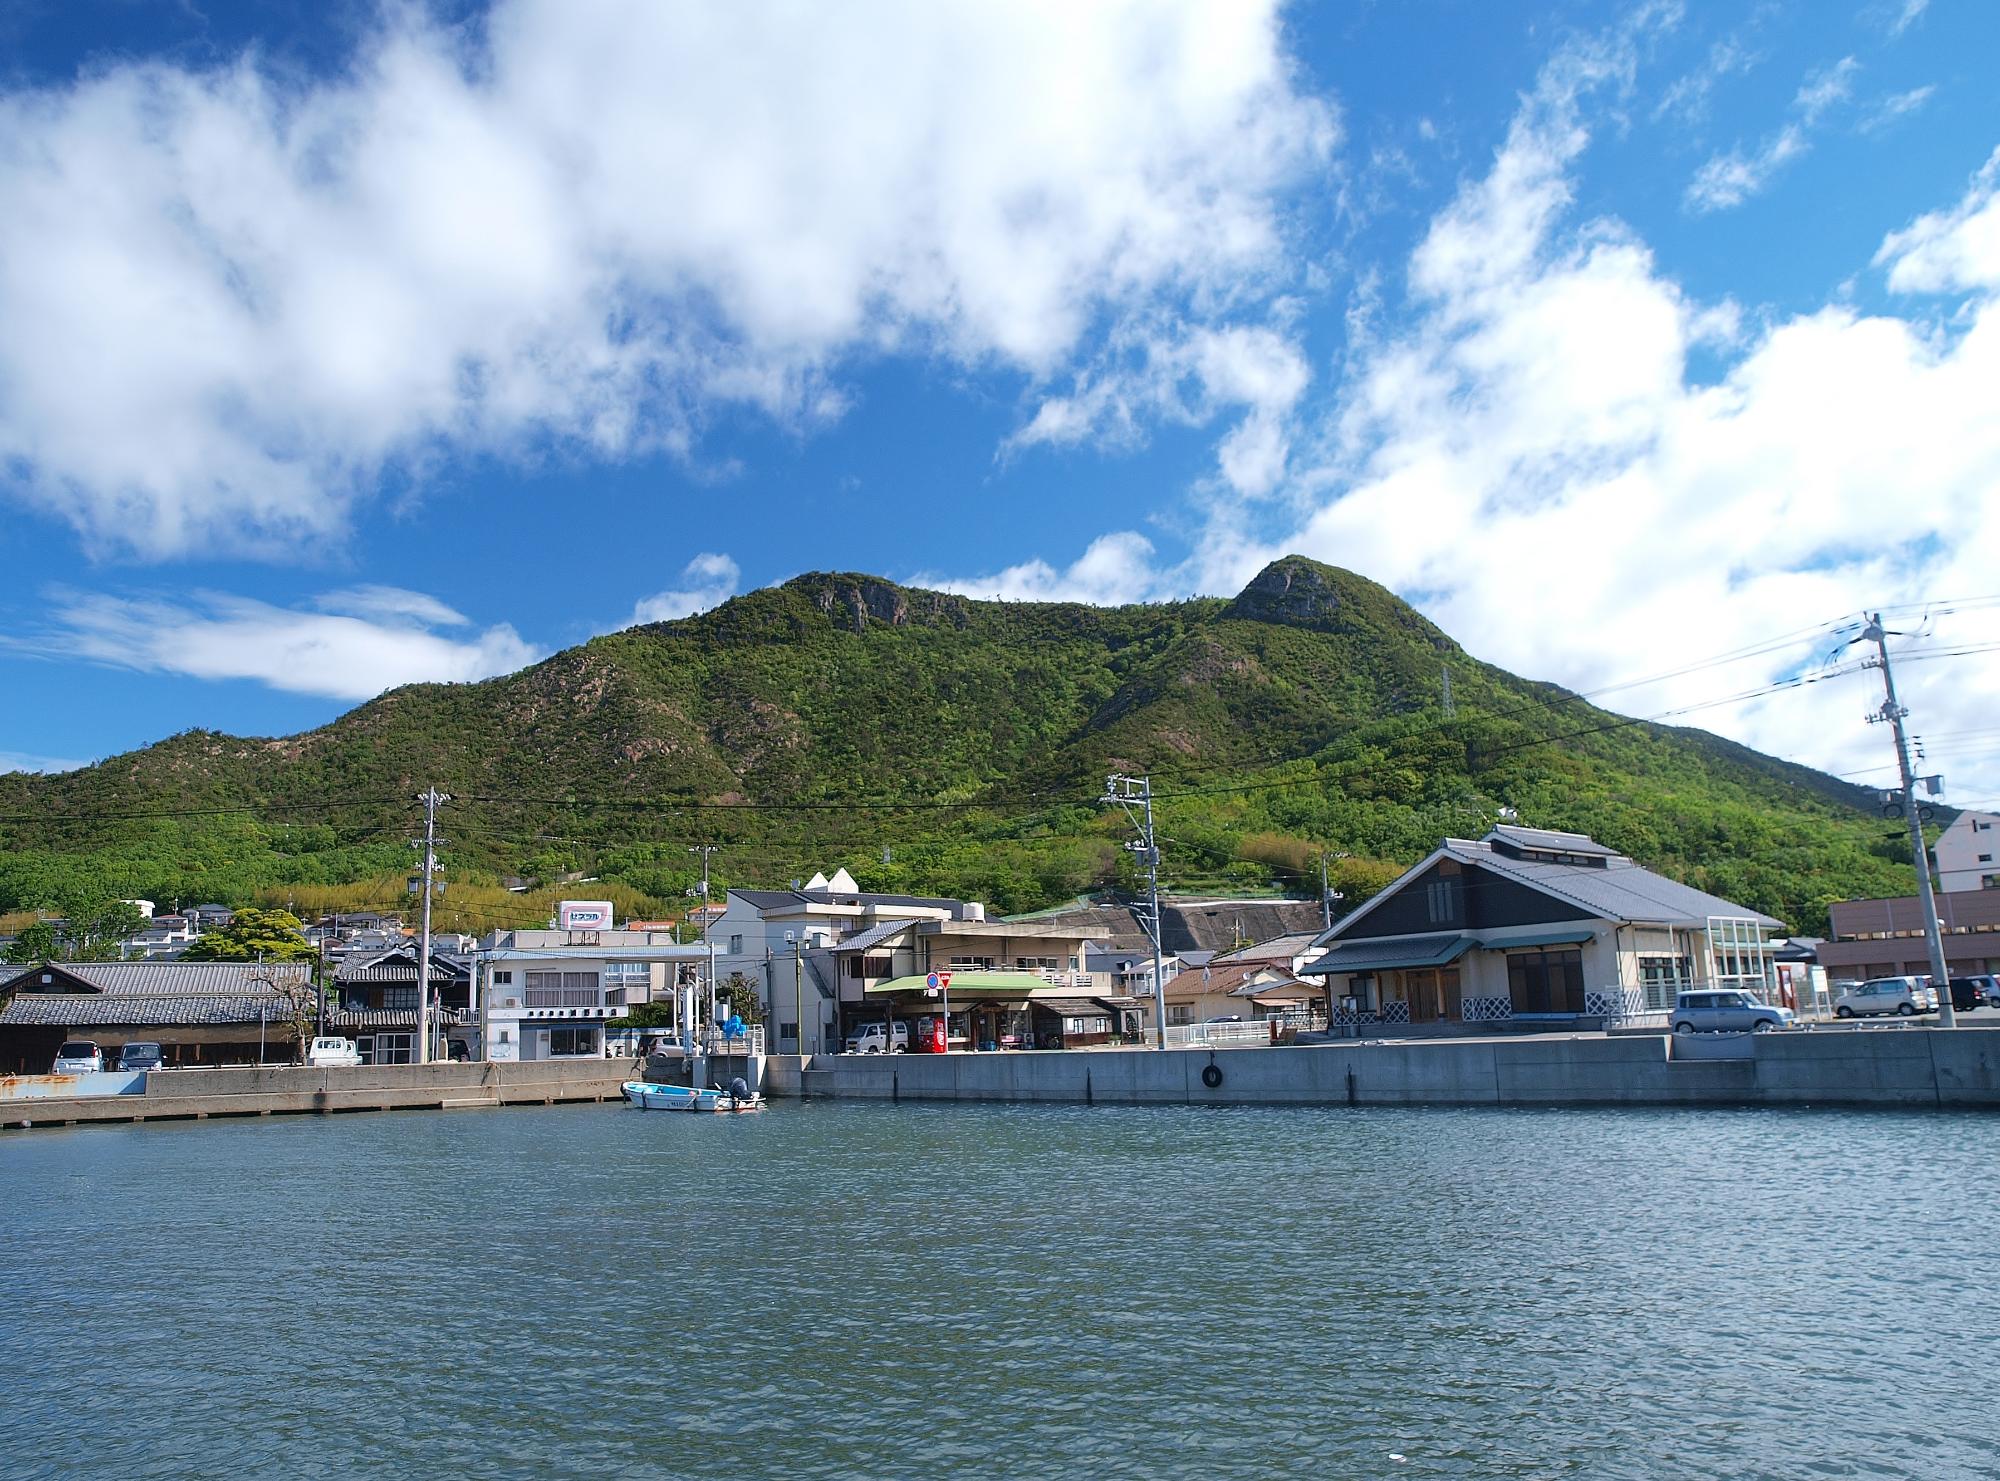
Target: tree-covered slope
[932,742]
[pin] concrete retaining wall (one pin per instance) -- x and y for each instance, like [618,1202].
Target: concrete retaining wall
[274,1090]
[1914,1067]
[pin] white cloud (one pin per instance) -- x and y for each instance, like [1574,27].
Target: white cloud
[1116,569]
[1895,107]
[1530,454]
[1687,98]
[232,300]
[1907,16]
[391,605]
[706,580]
[1947,251]
[1532,457]
[1730,179]
[1189,377]
[212,636]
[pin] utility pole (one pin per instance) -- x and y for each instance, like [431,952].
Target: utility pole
[432,799]
[1135,796]
[1895,713]
[707,931]
[799,994]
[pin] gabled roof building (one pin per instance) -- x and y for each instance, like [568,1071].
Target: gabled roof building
[1531,924]
[198,1012]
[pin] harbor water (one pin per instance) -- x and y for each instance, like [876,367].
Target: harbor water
[869,1290]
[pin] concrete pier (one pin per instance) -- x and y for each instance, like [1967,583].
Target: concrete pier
[274,1090]
[1912,1067]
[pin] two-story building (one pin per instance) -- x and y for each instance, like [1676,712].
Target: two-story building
[376,1003]
[548,994]
[829,957]
[1887,938]
[1529,924]
[1966,853]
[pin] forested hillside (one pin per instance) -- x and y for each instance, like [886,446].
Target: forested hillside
[933,743]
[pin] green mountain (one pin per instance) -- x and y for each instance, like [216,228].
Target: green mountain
[933,743]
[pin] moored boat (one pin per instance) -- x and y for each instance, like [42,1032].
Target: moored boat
[733,1101]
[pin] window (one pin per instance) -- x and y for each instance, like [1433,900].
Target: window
[393,1049]
[736,946]
[573,1041]
[788,1033]
[859,966]
[1545,981]
[1441,897]
[1986,858]
[503,976]
[563,990]
[1037,964]
[970,964]
[1660,977]
[400,997]
[1179,1014]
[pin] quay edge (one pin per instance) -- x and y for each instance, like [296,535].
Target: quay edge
[1893,1067]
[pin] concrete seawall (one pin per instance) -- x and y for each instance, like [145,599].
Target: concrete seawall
[1891,1067]
[277,1090]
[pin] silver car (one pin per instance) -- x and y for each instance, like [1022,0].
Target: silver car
[1905,996]
[1725,1011]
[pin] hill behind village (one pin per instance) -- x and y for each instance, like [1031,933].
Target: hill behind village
[933,743]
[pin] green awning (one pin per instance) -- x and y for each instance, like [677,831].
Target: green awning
[1383,956]
[1507,941]
[977,985]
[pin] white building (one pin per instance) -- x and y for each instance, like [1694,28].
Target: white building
[780,939]
[1966,851]
[547,994]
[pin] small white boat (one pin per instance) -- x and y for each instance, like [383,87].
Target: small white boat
[650,1097]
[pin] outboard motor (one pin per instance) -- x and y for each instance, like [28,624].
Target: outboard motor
[739,1089]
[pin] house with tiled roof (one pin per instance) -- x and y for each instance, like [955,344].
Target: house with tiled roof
[198,1012]
[375,1001]
[1536,926]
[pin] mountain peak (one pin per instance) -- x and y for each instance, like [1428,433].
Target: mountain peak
[855,599]
[1297,592]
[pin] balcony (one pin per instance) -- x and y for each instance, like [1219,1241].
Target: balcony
[562,997]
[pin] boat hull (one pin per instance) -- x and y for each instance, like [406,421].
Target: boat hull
[649,1097]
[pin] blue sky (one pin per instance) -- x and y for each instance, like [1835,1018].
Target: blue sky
[349,346]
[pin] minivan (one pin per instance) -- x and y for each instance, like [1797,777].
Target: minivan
[1725,1011]
[141,1055]
[873,1038]
[78,1057]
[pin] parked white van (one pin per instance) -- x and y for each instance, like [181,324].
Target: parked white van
[873,1038]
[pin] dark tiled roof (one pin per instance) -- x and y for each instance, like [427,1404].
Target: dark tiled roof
[390,1017]
[134,1010]
[396,968]
[160,978]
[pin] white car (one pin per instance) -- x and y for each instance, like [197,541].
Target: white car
[1906,996]
[873,1038]
[333,1054]
[78,1057]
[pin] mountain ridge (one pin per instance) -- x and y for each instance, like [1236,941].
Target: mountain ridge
[840,715]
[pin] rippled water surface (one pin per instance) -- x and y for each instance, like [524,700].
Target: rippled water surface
[840,1290]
